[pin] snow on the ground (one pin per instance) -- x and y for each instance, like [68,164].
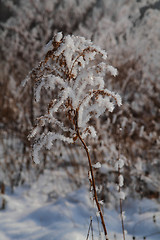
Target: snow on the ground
[29,216]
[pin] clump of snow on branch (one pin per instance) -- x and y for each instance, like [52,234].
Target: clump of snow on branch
[97,165]
[75,67]
[121,180]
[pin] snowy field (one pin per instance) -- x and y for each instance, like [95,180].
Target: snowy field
[31,216]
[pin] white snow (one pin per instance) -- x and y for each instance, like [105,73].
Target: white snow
[122,195]
[29,216]
[58,36]
[112,70]
[97,165]
[121,180]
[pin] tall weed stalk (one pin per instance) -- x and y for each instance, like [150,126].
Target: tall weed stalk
[72,73]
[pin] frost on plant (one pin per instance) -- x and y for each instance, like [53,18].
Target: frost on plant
[73,71]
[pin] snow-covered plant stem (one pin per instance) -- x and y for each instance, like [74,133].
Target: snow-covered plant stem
[73,73]
[93,179]
[119,166]
[121,212]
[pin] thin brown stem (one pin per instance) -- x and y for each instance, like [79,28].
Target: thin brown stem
[2,190]
[93,179]
[92,229]
[89,228]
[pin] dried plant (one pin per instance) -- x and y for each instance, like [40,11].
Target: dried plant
[75,67]
[130,33]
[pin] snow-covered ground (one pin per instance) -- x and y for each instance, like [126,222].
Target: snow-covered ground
[30,215]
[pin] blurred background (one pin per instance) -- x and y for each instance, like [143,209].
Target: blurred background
[130,32]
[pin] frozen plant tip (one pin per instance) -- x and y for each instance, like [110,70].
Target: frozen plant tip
[74,67]
[73,70]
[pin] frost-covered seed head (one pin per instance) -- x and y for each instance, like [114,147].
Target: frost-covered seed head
[75,68]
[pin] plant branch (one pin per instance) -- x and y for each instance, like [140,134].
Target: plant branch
[92,176]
